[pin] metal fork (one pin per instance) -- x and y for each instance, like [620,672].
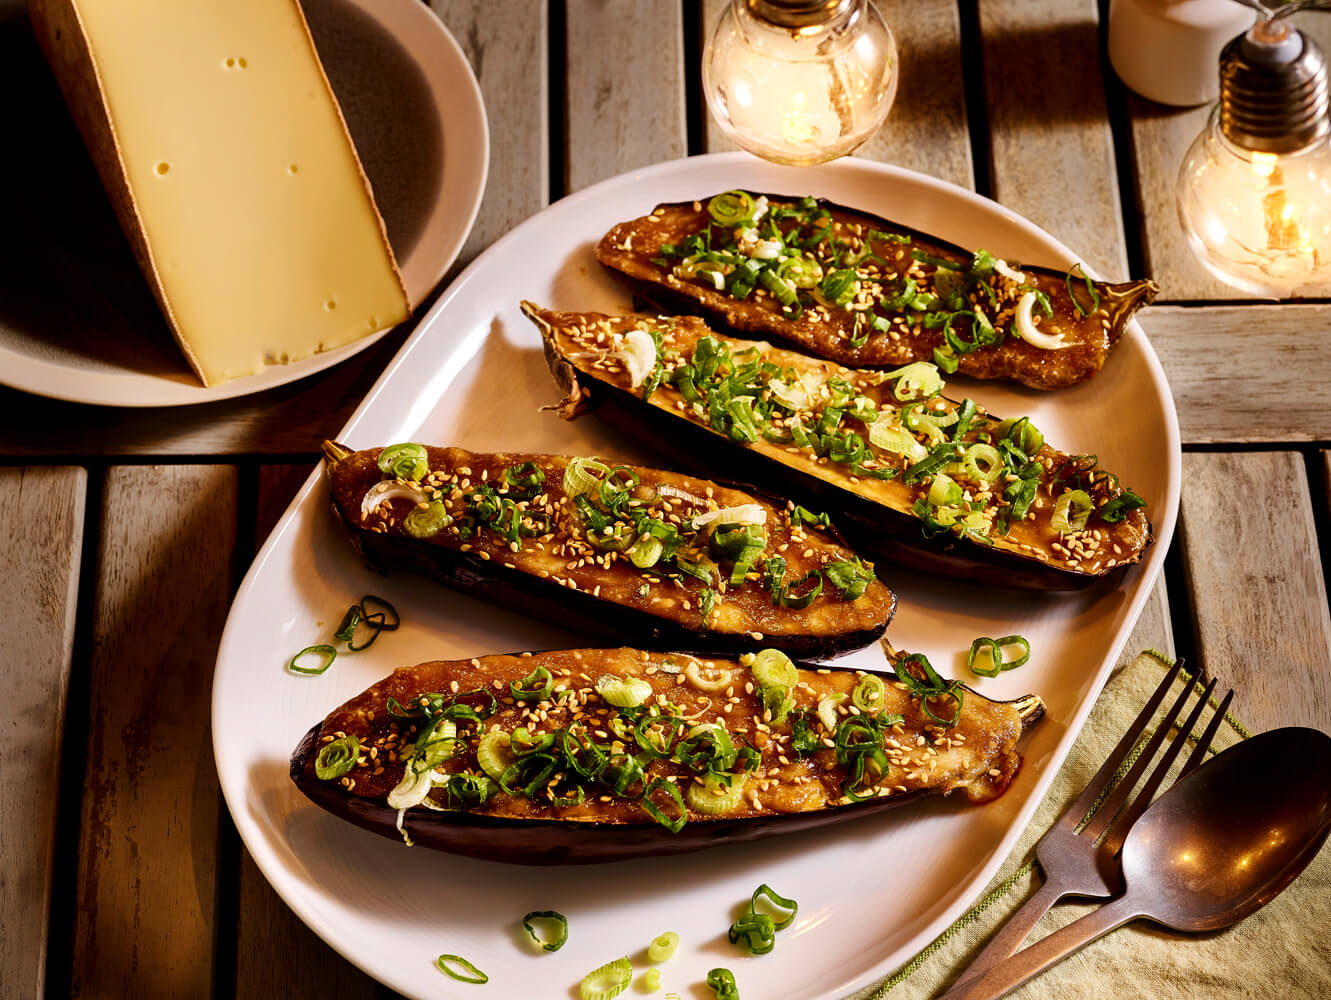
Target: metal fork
[1072,862]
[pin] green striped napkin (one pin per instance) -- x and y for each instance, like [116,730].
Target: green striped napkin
[1283,950]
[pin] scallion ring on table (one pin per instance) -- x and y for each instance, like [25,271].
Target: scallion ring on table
[557,917]
[608,981]
[323,650]
[466,973]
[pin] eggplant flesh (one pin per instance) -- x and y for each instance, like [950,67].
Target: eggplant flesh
[991,537]
[783,792]
[530,548]
[905,280]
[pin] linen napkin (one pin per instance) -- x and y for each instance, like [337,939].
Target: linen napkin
[1282,951]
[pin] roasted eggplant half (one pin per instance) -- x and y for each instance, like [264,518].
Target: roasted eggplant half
[655,557]
[909,474]
[865,292]
[592,755]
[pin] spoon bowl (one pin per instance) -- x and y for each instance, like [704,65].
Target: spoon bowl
[1228,838]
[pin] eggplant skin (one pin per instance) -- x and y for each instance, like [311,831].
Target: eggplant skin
[599,831]
[483,574]
[631,250]
[882,531]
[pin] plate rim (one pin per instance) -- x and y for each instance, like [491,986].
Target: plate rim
[1150,568]
[423,35]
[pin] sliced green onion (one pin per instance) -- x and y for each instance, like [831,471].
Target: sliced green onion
[378,614]
[777,703]
[778,901]
[731,208]
[869,694]
[404,461]
[758,930]
[646,552]
[827,710]
[582,475]
[651,980]
[347,630]
[1071,511]
[1119,507]
[426,522]
[536,686]
[325,653]
[608,981]
[494,753]
[1090,287]
[943,491]
[994,648]
[714,797]
[789,597]
[981,649]
[623,692]
[708,678]
[919,380]
[336,758]
[723,982]
[1022,433]
[773,668]
[466,973]
[850,577]
[982,463]
[663,947]
[673,825]
[557,917]
[890,436]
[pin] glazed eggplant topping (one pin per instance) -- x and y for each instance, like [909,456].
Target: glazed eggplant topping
[628,737]
[712,559]
[863,291]
[889,437]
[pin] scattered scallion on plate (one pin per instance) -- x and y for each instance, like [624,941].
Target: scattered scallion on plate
[460,969]
[549,944]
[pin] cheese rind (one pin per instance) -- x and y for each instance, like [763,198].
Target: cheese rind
[232,172]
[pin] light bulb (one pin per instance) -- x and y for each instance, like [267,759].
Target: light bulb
[1254,193]
[800,81]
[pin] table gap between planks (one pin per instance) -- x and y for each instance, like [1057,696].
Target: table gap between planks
[128,531]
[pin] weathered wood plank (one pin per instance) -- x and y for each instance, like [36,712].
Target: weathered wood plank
[926,129]
[625,99]
[1160,137]
[505,42]
[39,562]
[1051,146]
[148,832]
[1246,373]
[1256,585]
[276,954]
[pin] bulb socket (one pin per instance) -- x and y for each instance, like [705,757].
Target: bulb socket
[793,15]
[1274,96]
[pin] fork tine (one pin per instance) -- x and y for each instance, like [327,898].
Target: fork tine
[1077,811]
[1114,841]
[1110,807]
[1204,744]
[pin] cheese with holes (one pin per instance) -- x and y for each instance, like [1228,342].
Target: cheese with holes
[224,152]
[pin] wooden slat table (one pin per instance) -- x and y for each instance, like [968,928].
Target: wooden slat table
[127,532]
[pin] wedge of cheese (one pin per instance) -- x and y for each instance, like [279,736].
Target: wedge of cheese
[223,149]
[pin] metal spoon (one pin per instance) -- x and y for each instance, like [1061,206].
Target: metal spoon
[1220,844]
